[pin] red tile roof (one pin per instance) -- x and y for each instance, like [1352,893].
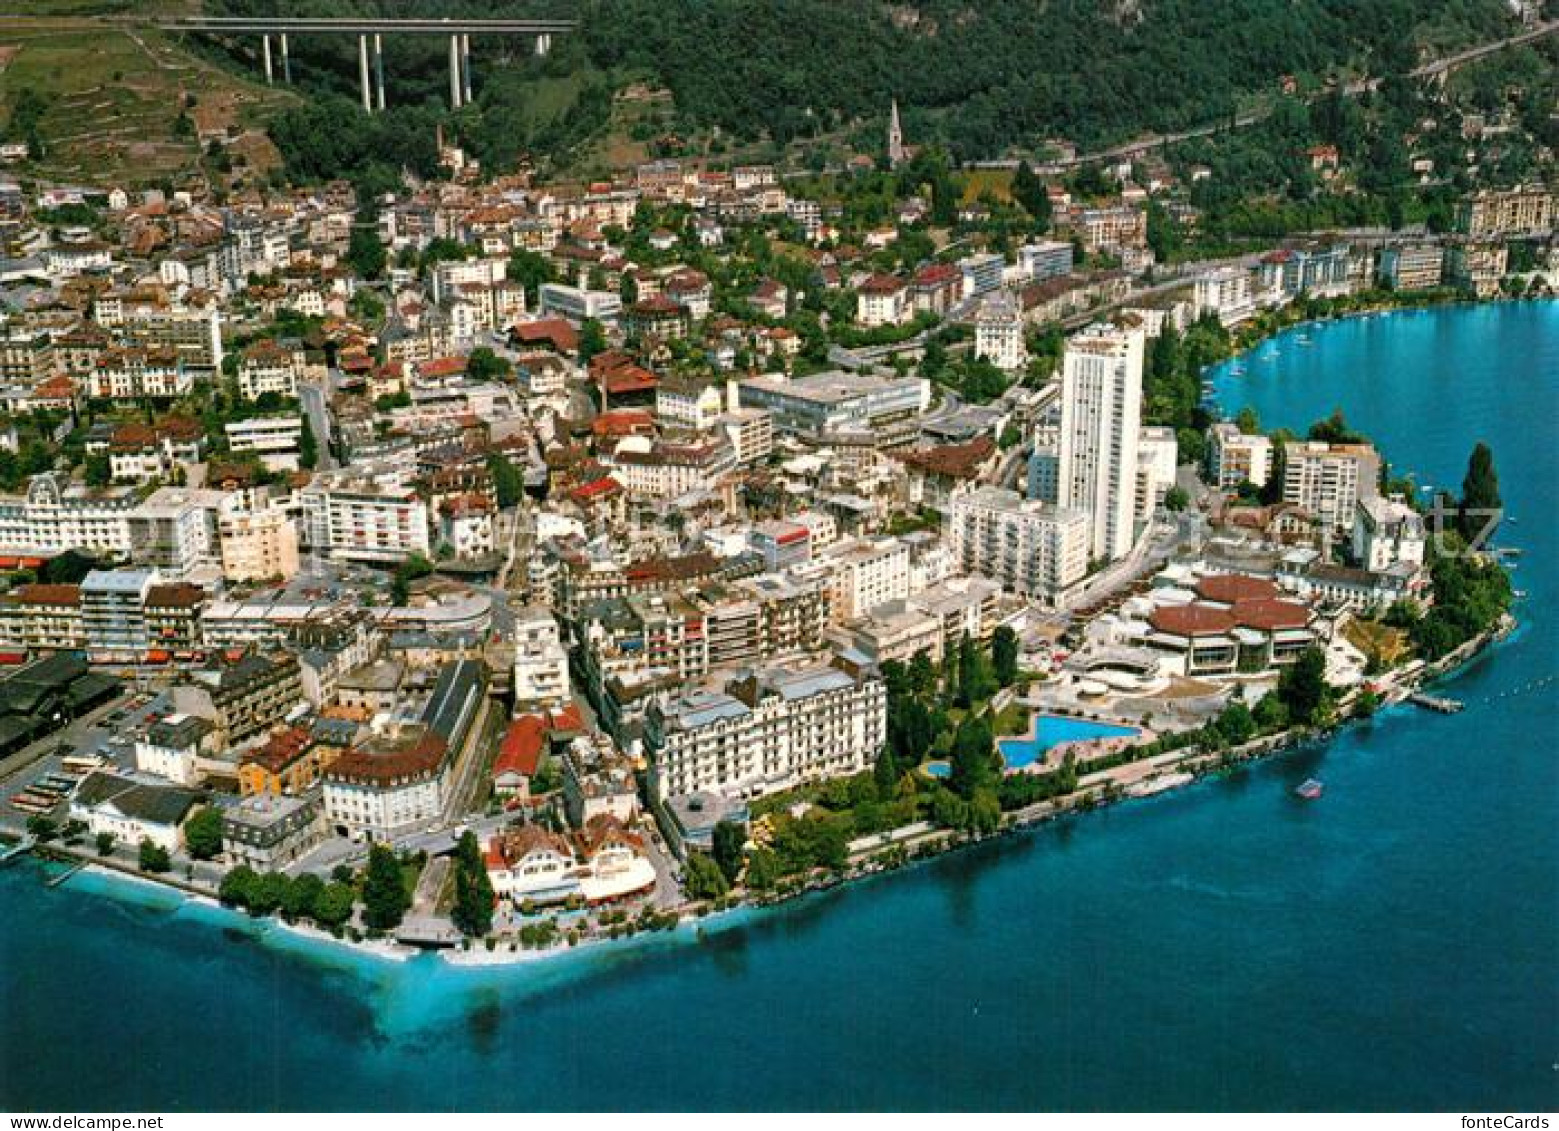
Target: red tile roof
[554,330]
[1229,588]
[630,379]
[1191,620]
[522,747]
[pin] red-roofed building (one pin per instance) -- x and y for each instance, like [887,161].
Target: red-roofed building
[555,333]
[1248,631]
[1230,588]
[937,288]
[519,756]
[623,422]
[883,300]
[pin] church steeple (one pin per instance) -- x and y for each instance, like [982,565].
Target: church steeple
[895,136]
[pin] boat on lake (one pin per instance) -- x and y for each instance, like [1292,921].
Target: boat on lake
[1309,790]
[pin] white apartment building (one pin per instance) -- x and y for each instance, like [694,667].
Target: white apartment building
[883,300]
[998,332]
[134,372]
[268,367]
[353,516]
[387,786]
[768,731]
[540,661]
[1226,292]
[170,748]
[450,276]
[688,404]
[1234,457]
[577,303]
[277,440]
[1329,480]
[662,470]
[1033,548]
[259,539]
[981,273]
[1045,259]
[1101,421]
[1387,532]
[171,529]
[863,575]
[1158,457]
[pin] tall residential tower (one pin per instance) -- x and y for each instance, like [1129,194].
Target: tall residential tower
[1101,417]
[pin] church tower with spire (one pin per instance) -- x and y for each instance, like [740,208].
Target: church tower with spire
[896,152]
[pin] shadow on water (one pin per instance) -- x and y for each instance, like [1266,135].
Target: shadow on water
[484,1020]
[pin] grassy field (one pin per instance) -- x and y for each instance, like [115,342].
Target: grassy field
[1373,638]
[996,183]
[113,95]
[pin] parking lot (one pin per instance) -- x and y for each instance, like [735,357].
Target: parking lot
[107,732]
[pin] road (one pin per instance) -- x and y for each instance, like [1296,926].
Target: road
[313,399]
[1251,117]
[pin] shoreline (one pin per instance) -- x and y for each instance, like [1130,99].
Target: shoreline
[1169,772]
[1176,771]
[1412,303]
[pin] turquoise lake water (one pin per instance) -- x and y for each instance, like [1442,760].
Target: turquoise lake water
[1394,945]
[1052,730]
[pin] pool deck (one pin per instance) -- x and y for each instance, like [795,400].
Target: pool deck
[1085,749]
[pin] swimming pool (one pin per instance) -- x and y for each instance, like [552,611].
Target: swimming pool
[1051,730]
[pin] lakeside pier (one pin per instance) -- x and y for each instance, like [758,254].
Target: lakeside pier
[1436,703]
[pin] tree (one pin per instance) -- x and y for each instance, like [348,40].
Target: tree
[308,446]
[105,843]
[1480,500]
[153,856]
[1303,688]
[508,483]
[592,340]
[303,896]
[473,910]
[237,887]
[365,250]
[763,869]
[485,365]
[334,904]
[269,894]
[530,269]
[385,898]
[729,840]
[1004,654]
[1029,191]
[97,470]
[203,833]
[705,880]
[1176,499]
[1270,714]
[973,761]
[1236,723]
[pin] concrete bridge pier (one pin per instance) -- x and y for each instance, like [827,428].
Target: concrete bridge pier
[543,44]
[286,61]
[362,71]
[465,68]
[265,52]
[379,69]
[454,72]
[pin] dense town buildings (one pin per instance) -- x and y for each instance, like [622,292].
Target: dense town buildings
[636,542]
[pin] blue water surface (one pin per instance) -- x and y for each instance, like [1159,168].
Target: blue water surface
[1394,945]
[1052,730]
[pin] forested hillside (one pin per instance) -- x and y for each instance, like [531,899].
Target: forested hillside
[980,78]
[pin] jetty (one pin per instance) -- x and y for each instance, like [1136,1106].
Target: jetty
[20,848]
[1435,703]
[56,880]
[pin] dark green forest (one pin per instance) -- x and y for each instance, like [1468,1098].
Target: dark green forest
[978,79]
